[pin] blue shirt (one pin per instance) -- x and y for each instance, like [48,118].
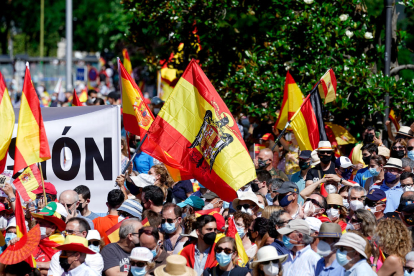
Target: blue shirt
[362,175]
[304,264]
[300,182]
[334,270]
[360,268]
[281,248]
[200,264]
[143,162]
[393,196]
[181,189]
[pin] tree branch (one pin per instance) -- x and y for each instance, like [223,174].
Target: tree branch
[401,67]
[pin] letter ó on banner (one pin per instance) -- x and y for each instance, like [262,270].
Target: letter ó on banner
[93,153]
[76,158]
[12,149]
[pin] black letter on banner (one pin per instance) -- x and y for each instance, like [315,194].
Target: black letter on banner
[76,158]
[92,153]
[12,148]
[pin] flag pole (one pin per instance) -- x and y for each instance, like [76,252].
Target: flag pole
[294,115]
[43,183]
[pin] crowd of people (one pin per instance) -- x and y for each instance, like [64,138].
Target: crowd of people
[307,213]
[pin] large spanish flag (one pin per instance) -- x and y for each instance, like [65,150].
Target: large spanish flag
[308,124]
[6,122]
[292,100]
[127,61]
[197,129]
[327,86]
[138,119]
[31,141]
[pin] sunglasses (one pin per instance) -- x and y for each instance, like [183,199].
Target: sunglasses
[137,263]
[226,250]
[168,220]
[408,269]
[245,206]
[96,243]
[147,231]
[268,262]
[324,153]
[314,201]
[410,148]
[334,206]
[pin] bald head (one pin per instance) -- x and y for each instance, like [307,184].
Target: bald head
[69,199]
[407,196]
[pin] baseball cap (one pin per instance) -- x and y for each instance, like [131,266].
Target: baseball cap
[141,254]
[343,162]
[314,223]
[93,235]
[354,241]
[210,195]
[49,189]
[299,225]
[143,180]
[193,201]
[2,207]
[287,187]
[406,206]
[268,136]
[156,101]
[376,195]
[305,154]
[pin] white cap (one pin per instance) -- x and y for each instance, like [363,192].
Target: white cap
[143,180]
[12,223]
[61,209]
[141,254]
[93,235]
[314,223]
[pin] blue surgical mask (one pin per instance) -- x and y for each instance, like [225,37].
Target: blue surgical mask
[406,273]
[108,103]
[240,230]
[410,154]
[154,252]
[285,201]
[223,259]
[374,172]
[138,271]
[341,257]
[389,177]
[94,248]
[287,243]
[226,204]
[9,237]
[347,174]
[168,227]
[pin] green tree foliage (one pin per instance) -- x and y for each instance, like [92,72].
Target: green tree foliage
[248,46]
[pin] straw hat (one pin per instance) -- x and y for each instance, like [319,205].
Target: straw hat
[324,145]
[246,196]
[269,253]
[176,266]
[406,131]
[76,244]
[394,163]
[334,199]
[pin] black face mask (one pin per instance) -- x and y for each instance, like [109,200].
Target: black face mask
[366,159]
[80,207]
[64,263]
[369,138]
[209,238]
[303,165]
[261,164]
[398,154]
[325,159]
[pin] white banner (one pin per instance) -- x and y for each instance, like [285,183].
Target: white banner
[85,144]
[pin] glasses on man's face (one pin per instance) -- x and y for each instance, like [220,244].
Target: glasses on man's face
[398,147]
[70,232]
[314,201]
[245,206]
[324,153]
[410,148]
[95,243]
[167,220]
[137,263]
[226,250]
[146,230]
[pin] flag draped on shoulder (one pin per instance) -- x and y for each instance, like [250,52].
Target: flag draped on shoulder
[327,86]
[31,141]
[127,61]
[7,121]
[308,124]
[197,129]
[75,99]
[292,100]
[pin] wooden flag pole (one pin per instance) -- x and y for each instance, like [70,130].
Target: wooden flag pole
[43,183]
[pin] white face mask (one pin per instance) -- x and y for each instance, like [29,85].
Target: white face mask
[208,206]
[355,205]
[371,209]
[323,248]
[309,209]
[271,269]
[345,202]
[332,213]
[330,189]
[248,211]
[121,218]
[43,233]
[408,189]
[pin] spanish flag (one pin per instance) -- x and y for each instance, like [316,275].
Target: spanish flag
[75,99]
[21,225]
[83,96]
[393,118]
[292,100]
[308,124]
[31,141]
[7,120]
[28,181]
[327,87]
[207,212]
[197,129]
[127,61]
[113,232]
[232,232]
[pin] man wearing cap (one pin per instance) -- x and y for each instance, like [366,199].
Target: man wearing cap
[247,202]
[130,208]
[350,254]
[288,199]
[375,202]
[326,166]
[193,204]
[391,185]
[212,201]
[368,151]
[405,209]
[72,258]
[264,161]
[329,234]
[70,199]
[40,201]
[296,237]
[299,177]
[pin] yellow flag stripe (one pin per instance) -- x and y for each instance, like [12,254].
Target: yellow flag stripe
[7,120]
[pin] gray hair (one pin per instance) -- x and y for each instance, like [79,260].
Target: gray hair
[307,239]
[409,257]
[275,183]
[357,189]
[274,221]
[127,227]
[407,162]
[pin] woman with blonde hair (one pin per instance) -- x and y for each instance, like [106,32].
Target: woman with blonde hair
[162,180]
[226,256]
[394,239]
[268,210]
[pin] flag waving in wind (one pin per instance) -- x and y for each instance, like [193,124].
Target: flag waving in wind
[127,61]
[197,129]
[6,122]
[31,141]
[75,99]
[327,87]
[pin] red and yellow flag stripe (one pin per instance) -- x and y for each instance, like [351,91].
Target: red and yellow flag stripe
[7,121]
[127,61]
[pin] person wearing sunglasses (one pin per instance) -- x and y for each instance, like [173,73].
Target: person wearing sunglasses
[399,149]
[336,211]
[409,264]
[247,202]
[287,196]
[375,202]
[326,166]
[171,226]
[268,262]
[226,256]
[141,262]
[149,237]
[315,206]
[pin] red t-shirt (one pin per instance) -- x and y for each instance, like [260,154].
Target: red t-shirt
[102,224]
